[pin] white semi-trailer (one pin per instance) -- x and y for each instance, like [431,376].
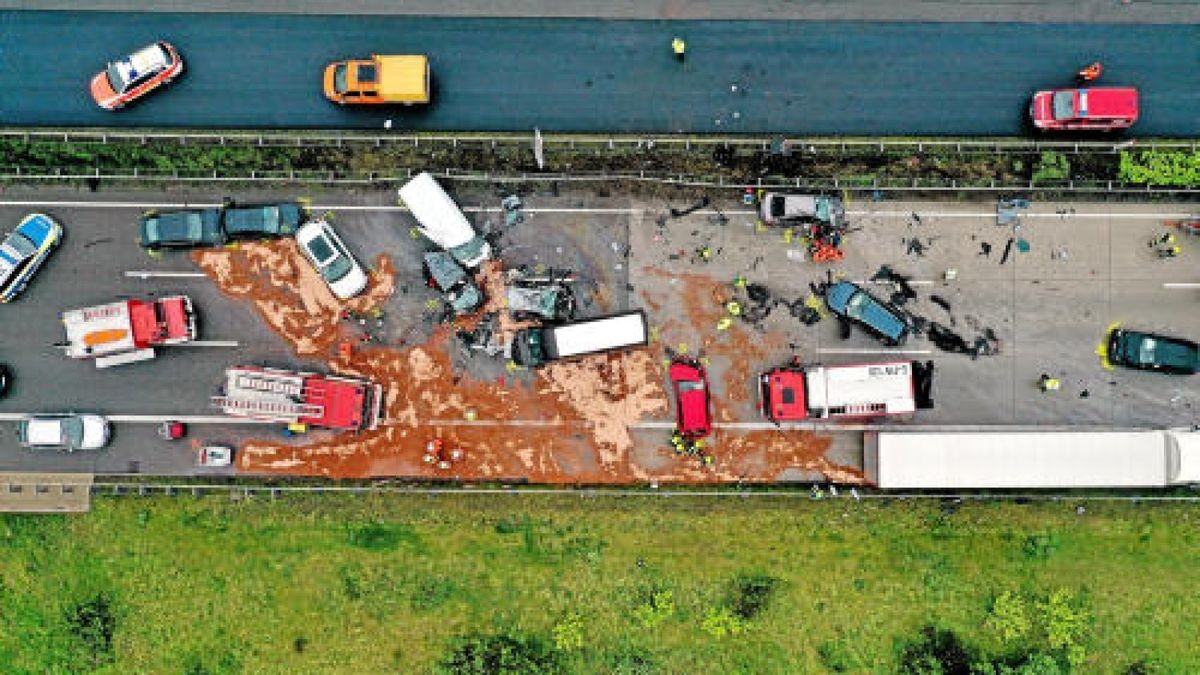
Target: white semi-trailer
[1031,459]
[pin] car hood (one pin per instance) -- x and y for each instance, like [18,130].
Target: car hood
[102,91]
[1039,107]
[839,294]
[351,284]
[39,228]
[95,432]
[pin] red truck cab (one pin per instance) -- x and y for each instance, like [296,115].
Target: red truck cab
[1085,109]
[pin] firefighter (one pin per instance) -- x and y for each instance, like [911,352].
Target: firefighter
[1091,73]
[1047,383]
[679,47]
[1169,252]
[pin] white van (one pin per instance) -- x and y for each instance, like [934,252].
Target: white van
[440,219]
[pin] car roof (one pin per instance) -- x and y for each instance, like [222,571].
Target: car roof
[1108,102]
[149,58]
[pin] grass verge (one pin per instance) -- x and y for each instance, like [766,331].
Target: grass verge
[545,584]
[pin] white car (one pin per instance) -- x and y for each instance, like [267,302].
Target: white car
[68,432]
[325,250]
[215,456]
[442,222]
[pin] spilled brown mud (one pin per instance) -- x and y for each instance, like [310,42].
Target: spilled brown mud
[573,425]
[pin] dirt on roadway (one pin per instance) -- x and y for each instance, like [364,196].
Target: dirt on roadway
[574,424]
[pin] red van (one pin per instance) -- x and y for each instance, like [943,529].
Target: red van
[1090,108]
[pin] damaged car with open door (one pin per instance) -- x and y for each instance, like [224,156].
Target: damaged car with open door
[544,297]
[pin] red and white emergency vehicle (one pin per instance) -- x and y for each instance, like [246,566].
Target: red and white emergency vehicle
[792,393]
[328,401]
[129,330]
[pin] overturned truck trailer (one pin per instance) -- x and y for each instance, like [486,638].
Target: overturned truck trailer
[897,460]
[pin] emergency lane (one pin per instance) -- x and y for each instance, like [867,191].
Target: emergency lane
[264,71]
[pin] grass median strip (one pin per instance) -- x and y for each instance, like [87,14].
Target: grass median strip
[577,584]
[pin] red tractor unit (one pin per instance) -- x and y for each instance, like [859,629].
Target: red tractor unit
[128,331]
[298,398]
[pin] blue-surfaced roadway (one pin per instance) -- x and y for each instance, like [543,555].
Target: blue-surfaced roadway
[600,75]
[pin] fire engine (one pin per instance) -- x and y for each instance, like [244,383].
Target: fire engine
[300,398]
[128,331]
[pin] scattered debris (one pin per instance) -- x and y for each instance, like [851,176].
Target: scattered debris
[703,202]
[1007,250]
[940,302]
[985,249]
[513,213]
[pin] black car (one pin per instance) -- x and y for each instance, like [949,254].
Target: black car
[1151,351]
[183,228]
[278,219]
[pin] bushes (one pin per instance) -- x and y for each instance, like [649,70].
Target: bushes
[1052,167]
[500,654]
[1150,167]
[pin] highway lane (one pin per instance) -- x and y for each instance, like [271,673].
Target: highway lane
[599,75]
[1049,313]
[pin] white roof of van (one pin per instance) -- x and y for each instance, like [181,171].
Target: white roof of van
[438,217]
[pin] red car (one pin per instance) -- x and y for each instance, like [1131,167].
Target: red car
[693,404]
[131,78]
[1086,109]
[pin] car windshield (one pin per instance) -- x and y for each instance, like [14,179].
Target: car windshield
[119,74]
[857,306]
[1147,349]
[691,385]
[22,245]
[339,79]
[332,263]
[1064,105]
[72,431]
[470,250]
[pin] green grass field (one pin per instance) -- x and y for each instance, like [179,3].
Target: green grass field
[418,584]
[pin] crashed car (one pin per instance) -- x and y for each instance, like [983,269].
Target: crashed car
[1151,351]
[547,302]
[445,274]
[779,208]
[849,301]
[181,228]
[276,219]
[693,404]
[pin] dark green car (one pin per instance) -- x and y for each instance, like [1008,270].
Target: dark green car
[1150,351]
[182,228]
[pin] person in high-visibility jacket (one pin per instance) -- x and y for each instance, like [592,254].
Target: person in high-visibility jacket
[1090,73]
[679,47]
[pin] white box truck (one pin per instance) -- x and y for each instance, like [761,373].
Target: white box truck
[898,460]
[533,347]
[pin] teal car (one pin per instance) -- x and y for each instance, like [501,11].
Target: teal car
[1151,351]
[885,322]
[24,250]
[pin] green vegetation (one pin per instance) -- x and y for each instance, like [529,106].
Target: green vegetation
[551,584]
[1051,167]
[1148,167]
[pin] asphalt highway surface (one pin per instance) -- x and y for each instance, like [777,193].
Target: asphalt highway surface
[853,78]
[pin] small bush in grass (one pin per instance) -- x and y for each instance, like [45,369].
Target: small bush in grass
[380,536]
[658,607]
[1009,617]
[721,621]
[1040,546]
[937,651]
[93,623]
[568,633]
[432,592]
[500,654]
[752,593]
[1065,621]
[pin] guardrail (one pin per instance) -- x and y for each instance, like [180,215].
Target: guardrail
[851,183]
[584,141]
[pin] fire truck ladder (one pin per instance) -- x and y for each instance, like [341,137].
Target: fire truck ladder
[276,409]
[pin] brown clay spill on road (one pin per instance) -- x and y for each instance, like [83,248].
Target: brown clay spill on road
[571,426]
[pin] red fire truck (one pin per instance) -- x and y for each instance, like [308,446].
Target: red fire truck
[299,398]
[129,330]
[794,392]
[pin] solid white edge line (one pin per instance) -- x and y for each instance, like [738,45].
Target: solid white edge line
[1181,284]
[208,343]
[154,419]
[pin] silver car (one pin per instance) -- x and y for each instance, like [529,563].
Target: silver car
[68,432]
[325,250]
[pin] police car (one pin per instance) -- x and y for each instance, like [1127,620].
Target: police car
[24,250]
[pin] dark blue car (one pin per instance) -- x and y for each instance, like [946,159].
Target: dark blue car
[850,301]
